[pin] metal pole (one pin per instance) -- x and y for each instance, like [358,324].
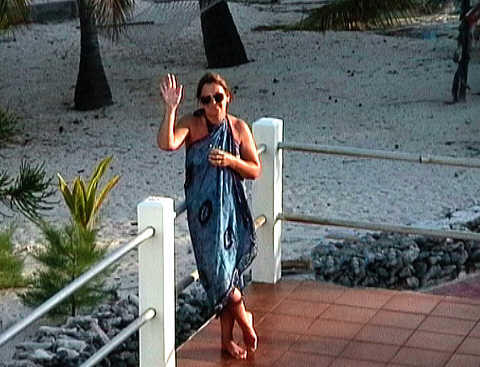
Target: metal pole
[119,338]
[381,154]
[75,285]
[379,227]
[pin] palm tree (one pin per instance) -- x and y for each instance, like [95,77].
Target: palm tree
[92,90]
[365,14]
[223,46]
[462,55]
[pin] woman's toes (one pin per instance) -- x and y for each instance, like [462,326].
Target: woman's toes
[234,350]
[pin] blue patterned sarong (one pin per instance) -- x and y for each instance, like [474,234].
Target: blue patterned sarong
[219,219]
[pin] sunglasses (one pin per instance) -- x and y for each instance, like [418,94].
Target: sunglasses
[218,97]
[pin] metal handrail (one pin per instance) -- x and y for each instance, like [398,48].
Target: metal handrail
[75,285]
[135,325]
[261,149]
[378,226]
[381,154]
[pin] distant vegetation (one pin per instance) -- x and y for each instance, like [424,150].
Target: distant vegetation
[352,15]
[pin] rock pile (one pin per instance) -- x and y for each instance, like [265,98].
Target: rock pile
[192,312]
[398,261]
[394,261]
[80,337]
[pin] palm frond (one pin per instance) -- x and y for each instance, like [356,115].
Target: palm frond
[13,12]
[112,15]
[359,14]
[30,193]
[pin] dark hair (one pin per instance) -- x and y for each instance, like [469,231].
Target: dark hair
[215,78]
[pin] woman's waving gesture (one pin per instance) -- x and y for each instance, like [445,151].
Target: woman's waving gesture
[171,136]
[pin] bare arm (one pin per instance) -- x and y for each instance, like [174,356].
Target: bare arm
[248,164]
[171,135]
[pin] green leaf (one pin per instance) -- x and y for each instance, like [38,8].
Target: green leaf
[67,194]
[79,194]
[103,194]
[83,201]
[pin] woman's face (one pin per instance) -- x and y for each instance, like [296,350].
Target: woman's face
[214,100]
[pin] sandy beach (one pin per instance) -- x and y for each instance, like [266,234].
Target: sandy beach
[359,89]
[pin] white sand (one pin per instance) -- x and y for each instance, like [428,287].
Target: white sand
[395,100]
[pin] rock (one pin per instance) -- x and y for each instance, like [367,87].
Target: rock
[65,353]
[406,272]
[77,345]
[30,346]
[475,257]
[57,331]
[413,282]
[420,268]
[42,356]
[23,363]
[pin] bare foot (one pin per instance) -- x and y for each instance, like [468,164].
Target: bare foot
[249,334]
[234,350]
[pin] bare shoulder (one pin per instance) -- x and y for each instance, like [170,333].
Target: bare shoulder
[186,121]
[193,123]
[239,126]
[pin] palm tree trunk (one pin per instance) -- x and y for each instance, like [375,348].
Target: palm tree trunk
[459,87]
[92,90]
[223,46]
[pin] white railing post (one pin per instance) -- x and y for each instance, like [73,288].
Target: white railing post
[157,282]
[267,200]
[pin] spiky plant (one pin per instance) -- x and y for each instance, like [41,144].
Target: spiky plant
[82,200]
[11,265]
[71,250]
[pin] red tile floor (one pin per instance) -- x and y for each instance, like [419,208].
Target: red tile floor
[313,324]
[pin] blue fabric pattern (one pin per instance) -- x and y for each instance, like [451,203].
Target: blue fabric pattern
[219,219]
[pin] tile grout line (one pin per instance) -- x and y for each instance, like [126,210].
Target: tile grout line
[463,340]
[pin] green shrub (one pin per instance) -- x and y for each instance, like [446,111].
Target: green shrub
[11,265]
[68,253]
[71,250]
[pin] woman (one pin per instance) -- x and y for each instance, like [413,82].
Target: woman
[221,152]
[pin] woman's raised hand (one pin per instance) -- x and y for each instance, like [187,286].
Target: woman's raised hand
[171,90]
